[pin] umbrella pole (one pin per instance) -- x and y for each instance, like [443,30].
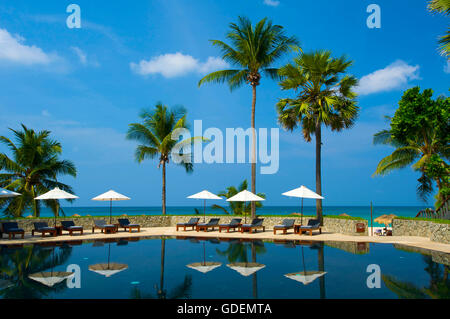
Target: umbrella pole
[110,211]
[303,259]
[204,254]
[371,219]
[301,219]
[204,210]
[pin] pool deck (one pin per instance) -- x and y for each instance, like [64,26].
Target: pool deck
[420,242]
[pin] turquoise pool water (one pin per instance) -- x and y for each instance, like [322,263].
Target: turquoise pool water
[158,268]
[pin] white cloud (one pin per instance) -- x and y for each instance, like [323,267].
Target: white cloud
[13,50]
[272,3]
[176,64]
[82,56]
[392,77]
[447,67]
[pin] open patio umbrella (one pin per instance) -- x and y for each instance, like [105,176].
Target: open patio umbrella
[4,193]
[56,194]
[204,195]
[51,278]
[111,196]
[245,196]
[305,277]
[246,269]
[204,266]
[108,269]
[302,192]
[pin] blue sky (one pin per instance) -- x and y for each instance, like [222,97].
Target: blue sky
[86,85]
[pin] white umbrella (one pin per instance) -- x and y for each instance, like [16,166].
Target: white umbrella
[305,277]
[302,192]
[57,194]
[245,196]
[111,196]
[109,268]
[246,269]
[204,195]
[4,193]
[204,266]
[51,278]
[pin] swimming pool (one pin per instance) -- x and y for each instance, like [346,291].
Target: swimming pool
[209,268]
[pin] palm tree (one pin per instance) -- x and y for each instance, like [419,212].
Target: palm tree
[253,50]
[155,135]
[237,208]
[17,264]
[442,6]
[416,152]
[418,140]
[32,170]
[324,97]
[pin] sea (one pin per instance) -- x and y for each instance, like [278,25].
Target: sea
[354,211]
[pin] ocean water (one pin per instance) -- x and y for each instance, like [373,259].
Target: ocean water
[355,211]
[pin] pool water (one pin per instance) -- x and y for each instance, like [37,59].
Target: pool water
[157,268]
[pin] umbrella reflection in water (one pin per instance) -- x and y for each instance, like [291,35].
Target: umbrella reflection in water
[108,269]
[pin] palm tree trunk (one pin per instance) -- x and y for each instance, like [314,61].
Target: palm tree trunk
[164,188]
[254,278]
[318,134]
[161,278]
[253,150]
[321,262]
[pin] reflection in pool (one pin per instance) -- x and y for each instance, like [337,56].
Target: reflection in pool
[208,268]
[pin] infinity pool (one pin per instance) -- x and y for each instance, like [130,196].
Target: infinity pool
[209,268]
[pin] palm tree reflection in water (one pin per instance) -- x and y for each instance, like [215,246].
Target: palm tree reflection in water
[16,264]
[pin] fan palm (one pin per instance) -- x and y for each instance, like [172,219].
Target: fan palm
[253,50]
[155,135]
[442,6]
[237,208]
[324,97]
[32,170]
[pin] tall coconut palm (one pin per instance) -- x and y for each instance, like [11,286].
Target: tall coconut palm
[32,170]
[155,135]
[442,6]
[324,96]
[253,50]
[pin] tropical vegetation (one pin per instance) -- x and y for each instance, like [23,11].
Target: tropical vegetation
[419,133]
[155,133]
[237,208]
[442,6]
[323,96]
[32,169]
[252,52]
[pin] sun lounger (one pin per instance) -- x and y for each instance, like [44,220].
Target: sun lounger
[235,223]
[125,223]
[313,224]
[191,223]
[12,228]
[43,228]
[103,226]
[256,224]
[214,222]
[285,225]
[71,227]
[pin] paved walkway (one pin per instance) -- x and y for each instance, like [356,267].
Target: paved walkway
[420,242]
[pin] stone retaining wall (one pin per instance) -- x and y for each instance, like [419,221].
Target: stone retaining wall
[423,228]
[332,225]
